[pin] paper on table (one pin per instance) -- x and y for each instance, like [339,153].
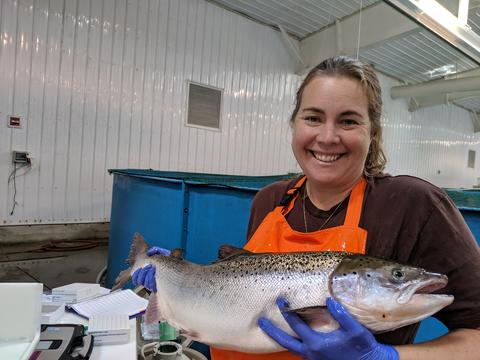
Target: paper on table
[117,302]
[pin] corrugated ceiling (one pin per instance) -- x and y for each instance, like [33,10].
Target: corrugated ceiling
[299,18]
[415,57]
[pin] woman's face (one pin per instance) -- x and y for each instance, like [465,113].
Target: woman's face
[331,132]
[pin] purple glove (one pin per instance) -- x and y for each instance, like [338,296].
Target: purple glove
[146,276]
[351,341]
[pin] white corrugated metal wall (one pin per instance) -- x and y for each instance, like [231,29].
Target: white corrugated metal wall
[431,143]
[102,84]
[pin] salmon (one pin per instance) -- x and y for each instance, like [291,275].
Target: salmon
[219,304]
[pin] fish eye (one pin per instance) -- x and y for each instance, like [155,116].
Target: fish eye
[398,274]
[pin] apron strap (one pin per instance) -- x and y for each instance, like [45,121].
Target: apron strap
[355,203]
[290,196]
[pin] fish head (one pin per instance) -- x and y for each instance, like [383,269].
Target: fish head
[384,295]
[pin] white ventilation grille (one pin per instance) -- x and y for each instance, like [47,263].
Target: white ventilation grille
[204,106]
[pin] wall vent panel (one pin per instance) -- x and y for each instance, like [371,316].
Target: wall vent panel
[204,106]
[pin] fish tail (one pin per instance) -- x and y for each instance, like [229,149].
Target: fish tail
[139,246]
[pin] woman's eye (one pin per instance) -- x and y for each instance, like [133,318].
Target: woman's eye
[311,119]
[349,122]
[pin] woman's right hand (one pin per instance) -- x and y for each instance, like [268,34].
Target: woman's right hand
[146,276]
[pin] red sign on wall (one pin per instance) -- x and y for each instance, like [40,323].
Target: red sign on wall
[14,121]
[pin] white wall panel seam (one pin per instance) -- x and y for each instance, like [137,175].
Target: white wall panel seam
[177,91]
[27,199]
[108,95]
[144,84]
[163,119]
[80,198]
[25,72]
[121,83]
[11,105]
[92,177]
[40,172]
[69,132]
[133,95]
[56,134]
[5,135]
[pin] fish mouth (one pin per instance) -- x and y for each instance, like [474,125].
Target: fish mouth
[435,283]
[429,288]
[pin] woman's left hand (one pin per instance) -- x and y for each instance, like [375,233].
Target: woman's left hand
[351,341]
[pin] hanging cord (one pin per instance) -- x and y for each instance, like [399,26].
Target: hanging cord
[359,28]
[13,175]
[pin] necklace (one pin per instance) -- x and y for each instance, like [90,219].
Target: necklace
[326,221]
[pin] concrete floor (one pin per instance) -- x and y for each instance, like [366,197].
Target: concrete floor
[53,263]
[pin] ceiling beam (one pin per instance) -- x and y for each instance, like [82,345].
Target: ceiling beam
[379,23]
[419,102]
[293,49]
[436,87]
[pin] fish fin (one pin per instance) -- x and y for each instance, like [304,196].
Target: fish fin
[177,254]
[139,246]
[122,278]
[318,318]
[153,312]
[227,252]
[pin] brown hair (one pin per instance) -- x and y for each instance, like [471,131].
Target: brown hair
[355,69]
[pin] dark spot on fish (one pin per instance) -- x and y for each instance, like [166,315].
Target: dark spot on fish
[384,316]
[368,275]
[354,273]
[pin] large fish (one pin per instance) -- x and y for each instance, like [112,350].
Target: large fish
[219,304]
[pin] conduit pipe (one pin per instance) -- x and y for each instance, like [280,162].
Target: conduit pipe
[436,87]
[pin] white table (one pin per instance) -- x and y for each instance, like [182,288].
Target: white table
[127,351]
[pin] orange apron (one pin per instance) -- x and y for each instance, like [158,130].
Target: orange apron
[275,235]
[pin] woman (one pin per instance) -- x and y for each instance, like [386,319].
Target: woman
[344,202]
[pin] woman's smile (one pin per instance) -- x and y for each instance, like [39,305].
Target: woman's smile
[326,157]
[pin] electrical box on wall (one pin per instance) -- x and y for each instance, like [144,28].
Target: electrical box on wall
[21,157]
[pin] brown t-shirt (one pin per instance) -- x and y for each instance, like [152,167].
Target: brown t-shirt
[410,221]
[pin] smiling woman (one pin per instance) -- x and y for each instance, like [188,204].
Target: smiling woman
[344,202]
